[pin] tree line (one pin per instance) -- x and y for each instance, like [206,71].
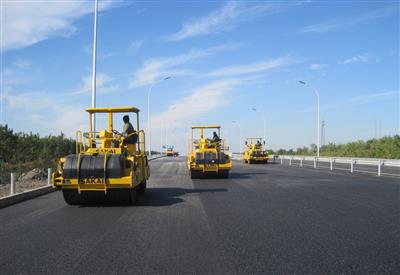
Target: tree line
[21,148]
[387,147]
[21,151]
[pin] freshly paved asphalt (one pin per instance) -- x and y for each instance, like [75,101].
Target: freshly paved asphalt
[263,219]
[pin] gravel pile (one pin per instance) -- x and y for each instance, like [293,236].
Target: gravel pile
[26,181]
[35,174]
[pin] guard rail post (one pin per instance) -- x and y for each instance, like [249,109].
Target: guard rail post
[48,176]
[12,186]
[282,160]
[315,162]
[301,162]
[331,164]
[290,161]
[379,167]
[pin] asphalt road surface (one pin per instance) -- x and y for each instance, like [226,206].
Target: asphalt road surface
[263,219]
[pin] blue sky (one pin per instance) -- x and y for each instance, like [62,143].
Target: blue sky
[224,59]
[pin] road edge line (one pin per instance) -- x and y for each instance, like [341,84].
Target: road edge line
[26,195]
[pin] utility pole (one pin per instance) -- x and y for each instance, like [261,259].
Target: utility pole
[264,121]
[148,111]
[240,135]
[161,145]
[323,133]
[317,97]
[1,64]
[380,130]
[96,7]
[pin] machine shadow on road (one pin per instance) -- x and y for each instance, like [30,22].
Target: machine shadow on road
[170,195]
[241,175]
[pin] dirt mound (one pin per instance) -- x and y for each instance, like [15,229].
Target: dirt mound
[35,174]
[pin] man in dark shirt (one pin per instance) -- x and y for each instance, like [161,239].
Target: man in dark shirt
[128,131]
[215,137]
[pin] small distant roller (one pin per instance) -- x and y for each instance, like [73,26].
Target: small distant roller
[107,167]
[255,151]
[170,151]
[207,157]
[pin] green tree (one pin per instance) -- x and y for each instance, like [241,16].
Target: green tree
[8,143]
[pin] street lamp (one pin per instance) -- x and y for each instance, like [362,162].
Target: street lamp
[166,129]
[264,119]
[317,95]
[148,110]
[240,136]
[93,116]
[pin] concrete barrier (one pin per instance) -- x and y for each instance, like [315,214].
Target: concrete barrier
[23,196]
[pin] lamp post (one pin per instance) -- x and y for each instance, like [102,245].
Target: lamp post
[264,120]
[148,110]
[240,136]
[96,6]
[318,131]
[161,145]
[166,129]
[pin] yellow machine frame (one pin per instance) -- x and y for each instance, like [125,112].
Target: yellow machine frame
[197,163]
[254,153]
[107,142]
[170,152]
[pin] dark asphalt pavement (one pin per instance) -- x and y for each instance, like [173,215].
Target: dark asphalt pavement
[263,219]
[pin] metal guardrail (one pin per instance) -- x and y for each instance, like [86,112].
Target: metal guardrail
[13,182]
[380,167]
[365,161]
[354,164]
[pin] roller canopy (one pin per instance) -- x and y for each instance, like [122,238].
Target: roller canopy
[207,127]
[113,110]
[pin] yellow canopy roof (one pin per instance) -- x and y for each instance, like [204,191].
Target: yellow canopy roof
[113,110]
[252,138]
[207,127]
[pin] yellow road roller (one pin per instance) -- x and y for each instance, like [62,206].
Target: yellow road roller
[170,151]
[207,156]
[255,151]
[108,166]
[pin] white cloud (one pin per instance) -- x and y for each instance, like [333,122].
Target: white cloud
[157,68]
[29,100]
[103,85]
[199,102]
[18,72]
[363,58]
[321,27]
[70,119]
[135,46]
[334,24]
[252,68]
[317,66]
[53,115]
[25,23]
[189,110]
[368,97]
[223,19]
[353,101]
[362,100]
